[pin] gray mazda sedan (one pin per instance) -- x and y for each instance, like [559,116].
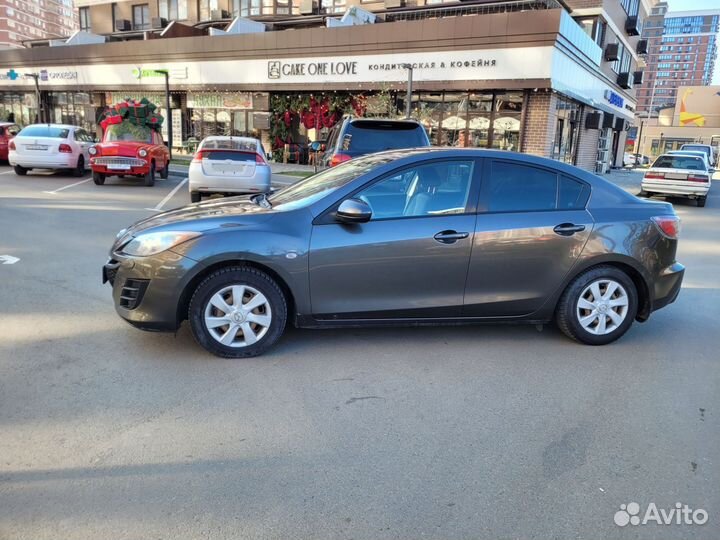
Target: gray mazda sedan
[423,236]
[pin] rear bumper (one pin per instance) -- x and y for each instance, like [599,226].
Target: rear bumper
[203,183]
[53,161]
[667,286]
[699,190]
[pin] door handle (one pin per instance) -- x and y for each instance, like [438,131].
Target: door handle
[568,229]
[450,237]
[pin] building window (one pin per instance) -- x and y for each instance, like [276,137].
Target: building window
[205,8]
[622,64]
[595,28]
[173,10]
[333,6]
[248,8]
[141,17]
[84,14]
[631,7]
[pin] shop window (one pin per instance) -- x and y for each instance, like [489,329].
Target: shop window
[141,17]
[84,16]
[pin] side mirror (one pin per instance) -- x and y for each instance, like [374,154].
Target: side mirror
[353,211]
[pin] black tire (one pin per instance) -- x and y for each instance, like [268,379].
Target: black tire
[565,313]
[643,194]
[149,178]
[98,178]
[20,171]
[701,201]
[165,171]
[79,169]
[195,196]
[237,275]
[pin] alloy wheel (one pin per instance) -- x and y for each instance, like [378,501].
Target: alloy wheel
[238,316]
[602,306]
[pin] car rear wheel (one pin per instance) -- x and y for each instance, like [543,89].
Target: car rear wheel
[149,178]
[98,178]
[701,201]
[79,169]
[237,312]
[598,306]
[20,171]
[195,196]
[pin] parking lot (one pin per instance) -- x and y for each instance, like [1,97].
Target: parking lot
[453,432]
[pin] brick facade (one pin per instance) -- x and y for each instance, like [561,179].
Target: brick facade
[540,122]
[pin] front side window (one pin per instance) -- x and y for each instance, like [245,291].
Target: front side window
[430,189]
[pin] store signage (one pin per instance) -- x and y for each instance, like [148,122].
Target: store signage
[174,73]
[614,99]
[216,100]
[46,75]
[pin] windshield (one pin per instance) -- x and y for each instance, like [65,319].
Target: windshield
[126,131]
[315,187]
[679,162]
[45,131]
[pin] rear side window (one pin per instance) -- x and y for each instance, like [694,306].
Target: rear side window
[45,131]
[679,162]
[572,194]
[367,137]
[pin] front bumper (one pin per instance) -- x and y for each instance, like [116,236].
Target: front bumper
[147,290]
[667,285]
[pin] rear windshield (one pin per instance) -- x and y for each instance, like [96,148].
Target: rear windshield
[224,155]
[367,137]
[696,148]
[679,162]
[243,145]
[45,131]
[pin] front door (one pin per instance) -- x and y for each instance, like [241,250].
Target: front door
[411,259]
[531,228]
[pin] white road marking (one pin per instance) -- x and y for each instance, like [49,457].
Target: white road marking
[68,186]
[8,172]
[8,259]
[168,197]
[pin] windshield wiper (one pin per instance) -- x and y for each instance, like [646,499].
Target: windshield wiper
[261,199]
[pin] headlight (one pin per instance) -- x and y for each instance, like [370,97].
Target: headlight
[142,152]
[92,150]
[156,242]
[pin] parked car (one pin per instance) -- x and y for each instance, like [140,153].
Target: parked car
[630,159]
[8,130]
[403,237]
[129,151]
[353,137]
[678,176]
[50,146]
[696,153]
[709,150]
[228,165]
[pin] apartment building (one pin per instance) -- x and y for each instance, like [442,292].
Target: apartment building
[682,51]
[545,77]
[22,20]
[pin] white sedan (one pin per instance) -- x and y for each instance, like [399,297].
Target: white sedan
[678,175]
[50,146]
[228,165]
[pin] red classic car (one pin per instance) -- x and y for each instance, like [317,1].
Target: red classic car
[129,150]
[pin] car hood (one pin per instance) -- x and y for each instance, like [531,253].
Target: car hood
[201,217]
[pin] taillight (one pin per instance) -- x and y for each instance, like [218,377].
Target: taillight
[698,178]
[259,160]
[64,148]
[669,226]
[656,175]
[11,146]
[199,156]
[339,158]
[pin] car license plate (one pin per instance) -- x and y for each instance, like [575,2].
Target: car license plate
[36,147]
[119,167]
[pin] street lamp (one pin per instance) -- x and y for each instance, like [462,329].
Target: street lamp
[408,101]
[166,73]
[36,77]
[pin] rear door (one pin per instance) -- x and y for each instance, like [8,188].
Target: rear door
[531,228]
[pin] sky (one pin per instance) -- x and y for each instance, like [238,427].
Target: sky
[684,5]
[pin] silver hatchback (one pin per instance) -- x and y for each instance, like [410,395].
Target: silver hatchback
[228,165]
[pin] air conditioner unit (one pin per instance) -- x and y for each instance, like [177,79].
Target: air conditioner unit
[604,144]
[601,167]
[619,124]
[592,120]
[217,14]
[123,25]
[608,120]
[394,3]
[603,155]
[624,80]
[632,26]
[642,46]
[159,22]
[308,7]
[612,52]
[638,77]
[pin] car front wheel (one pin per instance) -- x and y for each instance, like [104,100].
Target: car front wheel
[237,312]
[149,178]
[598,306]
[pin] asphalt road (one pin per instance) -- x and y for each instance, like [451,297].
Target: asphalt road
[443,433]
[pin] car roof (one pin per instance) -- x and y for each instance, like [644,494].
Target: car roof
[64,126]
[353,120]
[228,138]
